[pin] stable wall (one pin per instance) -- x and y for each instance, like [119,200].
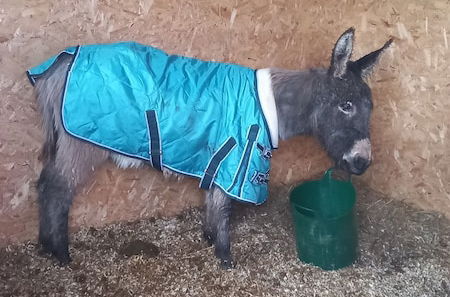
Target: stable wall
[410,123]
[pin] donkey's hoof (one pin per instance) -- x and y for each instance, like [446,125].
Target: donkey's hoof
[63,259]
[209,238]
[45,245]
[43,252]
[227,264]
[62,255]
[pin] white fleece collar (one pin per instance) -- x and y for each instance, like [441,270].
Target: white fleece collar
[267,100]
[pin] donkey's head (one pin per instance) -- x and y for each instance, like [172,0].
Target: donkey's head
[343,106]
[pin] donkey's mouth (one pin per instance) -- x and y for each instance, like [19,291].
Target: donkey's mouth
[355,166]
[358,159]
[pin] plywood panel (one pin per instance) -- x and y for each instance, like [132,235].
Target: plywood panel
[410,124]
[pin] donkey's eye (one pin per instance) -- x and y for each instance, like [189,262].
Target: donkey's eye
[346,107]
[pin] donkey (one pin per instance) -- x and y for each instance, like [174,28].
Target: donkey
[331,104]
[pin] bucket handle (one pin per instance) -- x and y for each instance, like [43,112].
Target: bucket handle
[305,211]
[328,176]
[312,214]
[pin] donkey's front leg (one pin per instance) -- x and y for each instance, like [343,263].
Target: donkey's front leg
[216,228]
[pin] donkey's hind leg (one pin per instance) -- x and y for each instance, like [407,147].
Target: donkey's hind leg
[68,162]
[216,225]
[55,197]
[71,167]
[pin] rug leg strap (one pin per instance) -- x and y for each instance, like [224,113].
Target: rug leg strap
[155,140]
[215,162]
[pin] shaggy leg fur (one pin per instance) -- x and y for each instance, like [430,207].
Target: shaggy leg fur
[72,166]
[68,163]
[209,226]
[217,224]
[55,197]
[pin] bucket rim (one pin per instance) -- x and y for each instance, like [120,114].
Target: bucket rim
[326,176]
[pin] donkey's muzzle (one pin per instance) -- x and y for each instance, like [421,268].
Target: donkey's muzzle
[355,166]
[359,158]
[360,165]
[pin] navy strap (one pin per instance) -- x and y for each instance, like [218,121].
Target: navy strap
[214,163]
[253,133]
[155,140]
[251,138]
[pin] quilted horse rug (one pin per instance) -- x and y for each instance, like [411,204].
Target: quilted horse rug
[214,121]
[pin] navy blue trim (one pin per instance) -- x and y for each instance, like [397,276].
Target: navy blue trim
[69,69]
[237,198]
[30,78]
[33,77]
[155,139]
[251,138]
[266,125]
[215,162]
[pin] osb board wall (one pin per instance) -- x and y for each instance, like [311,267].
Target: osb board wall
[411,86]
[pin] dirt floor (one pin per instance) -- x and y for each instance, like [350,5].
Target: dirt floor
[404,252]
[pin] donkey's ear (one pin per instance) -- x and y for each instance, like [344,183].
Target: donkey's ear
[341,53]
[365,65]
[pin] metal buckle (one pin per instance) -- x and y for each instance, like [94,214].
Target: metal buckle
[260,178]
[266,153]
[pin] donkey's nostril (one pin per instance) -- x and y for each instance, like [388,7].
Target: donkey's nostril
[360,164]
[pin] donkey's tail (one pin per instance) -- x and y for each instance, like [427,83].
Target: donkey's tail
[49,93]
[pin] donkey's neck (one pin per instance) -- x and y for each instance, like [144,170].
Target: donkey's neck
[293,94]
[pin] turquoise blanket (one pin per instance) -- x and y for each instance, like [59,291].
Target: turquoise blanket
[198,118]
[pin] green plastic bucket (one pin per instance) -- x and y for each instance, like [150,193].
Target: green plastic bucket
[325,223]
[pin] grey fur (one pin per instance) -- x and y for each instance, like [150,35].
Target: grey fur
[293,92]
[312,102]
[55,197]
[68,163]
[341,53]
[366,64]
[308,102]
[217,224]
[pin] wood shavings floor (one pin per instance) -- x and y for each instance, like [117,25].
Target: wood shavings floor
[404,252]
